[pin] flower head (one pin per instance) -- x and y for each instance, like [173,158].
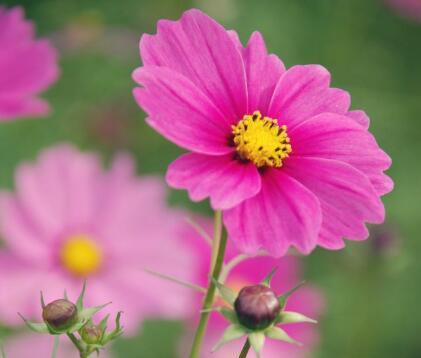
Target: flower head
[27,67]
[70,220]
[278,150]
[60,314]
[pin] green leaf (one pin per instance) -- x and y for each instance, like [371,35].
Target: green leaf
[232,332]
[226,293]
[293,317]
[280,335]
[266,281]
[257,341]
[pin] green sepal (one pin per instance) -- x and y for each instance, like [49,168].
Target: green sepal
[293,317]
[284,298]
[280,335]
[36,327]
[79,302]
[103,324]
[229,314]
[42,300]
[226,293]
[86,314]
[266,281]
[117,332]
[232,332]
[257,341]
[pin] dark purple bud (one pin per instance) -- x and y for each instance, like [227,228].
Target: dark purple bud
[91,334]
[257,306]
[60,314]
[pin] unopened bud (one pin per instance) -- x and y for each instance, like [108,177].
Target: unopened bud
[91,334]
[60,314]
[257,306]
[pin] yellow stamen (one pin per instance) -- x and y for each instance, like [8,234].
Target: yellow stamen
[261,140]
[80,255]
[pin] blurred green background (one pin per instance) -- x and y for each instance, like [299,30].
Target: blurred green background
[373,288]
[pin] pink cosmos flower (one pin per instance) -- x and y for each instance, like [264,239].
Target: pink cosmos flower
[27,67]
[278,150]
[408,8]
[307,300]
[68,219]
[40,345]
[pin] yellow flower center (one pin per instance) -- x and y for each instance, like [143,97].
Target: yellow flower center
[261,140]
[80,255]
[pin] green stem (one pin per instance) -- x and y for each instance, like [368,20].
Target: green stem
[55,347]
[78,345]
[245,350]
[218,252]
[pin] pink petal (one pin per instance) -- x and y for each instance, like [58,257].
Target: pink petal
[199,48]
[226,181]
[284,213]
[360,117]
[303,92]
[14,107]
[337,137]
[181,112]
[263,72]
[28,69]
[20,234]
[347,198]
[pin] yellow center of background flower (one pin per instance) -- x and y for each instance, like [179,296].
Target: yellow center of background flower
[261,140]
[80,255]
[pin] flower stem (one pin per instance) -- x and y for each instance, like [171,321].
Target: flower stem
[245,350]
[78,345]
[217,259]
[55,347]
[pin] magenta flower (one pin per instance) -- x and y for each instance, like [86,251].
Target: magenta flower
[278,150]
[27,67]
[307,300]
[28,345]
[68,220]
[410,9]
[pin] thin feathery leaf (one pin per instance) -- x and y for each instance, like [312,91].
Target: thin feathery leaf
[200,230]
[176,280]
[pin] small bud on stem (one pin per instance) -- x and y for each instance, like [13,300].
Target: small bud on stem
[60,314]
[257,306]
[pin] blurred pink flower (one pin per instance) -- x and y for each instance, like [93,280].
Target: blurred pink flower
[33,344]
[27,67]
[68,219]
[408,8]
[307,300]
[276,149]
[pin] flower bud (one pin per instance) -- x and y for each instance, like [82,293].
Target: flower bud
[91,334]
[60,314]
[257,306]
